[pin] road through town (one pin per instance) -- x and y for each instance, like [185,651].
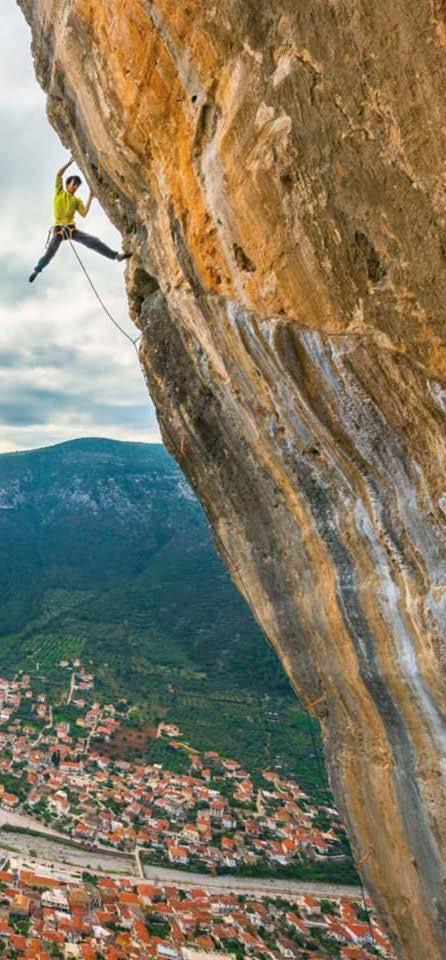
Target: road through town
[248,885]
[47,847]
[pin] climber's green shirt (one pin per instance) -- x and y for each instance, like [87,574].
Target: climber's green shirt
[66,205]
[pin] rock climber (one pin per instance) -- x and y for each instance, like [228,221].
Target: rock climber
[66,205]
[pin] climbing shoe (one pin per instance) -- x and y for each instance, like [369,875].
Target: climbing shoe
[33,276]
[123,256]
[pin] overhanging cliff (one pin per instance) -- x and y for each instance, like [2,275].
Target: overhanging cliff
[279,172]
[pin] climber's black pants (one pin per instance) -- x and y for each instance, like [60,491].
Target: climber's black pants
[73,234]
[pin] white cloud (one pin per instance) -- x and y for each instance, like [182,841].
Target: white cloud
[65,371]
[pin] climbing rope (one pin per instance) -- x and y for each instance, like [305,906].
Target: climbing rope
[133,341]
[115,323]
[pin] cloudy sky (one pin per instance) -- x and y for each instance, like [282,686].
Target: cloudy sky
[65,371]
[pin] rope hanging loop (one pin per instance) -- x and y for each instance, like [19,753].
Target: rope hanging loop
[67,236]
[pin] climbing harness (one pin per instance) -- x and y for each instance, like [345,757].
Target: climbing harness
[64,232]
[60,232]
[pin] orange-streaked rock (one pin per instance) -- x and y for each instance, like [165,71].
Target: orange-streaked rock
[279,172]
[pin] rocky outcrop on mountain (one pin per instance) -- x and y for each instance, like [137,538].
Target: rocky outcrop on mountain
[278,172]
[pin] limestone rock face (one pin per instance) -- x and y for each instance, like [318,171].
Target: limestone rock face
[278,170]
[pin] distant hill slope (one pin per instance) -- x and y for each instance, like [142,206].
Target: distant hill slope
[104,542]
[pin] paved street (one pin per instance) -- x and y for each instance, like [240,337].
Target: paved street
[249,885]
[60,857]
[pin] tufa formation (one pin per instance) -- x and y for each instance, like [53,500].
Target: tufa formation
[279,172]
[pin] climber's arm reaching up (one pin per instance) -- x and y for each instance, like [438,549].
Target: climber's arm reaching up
[62,170]
[60,173]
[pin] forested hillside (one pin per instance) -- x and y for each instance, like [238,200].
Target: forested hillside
[106,541]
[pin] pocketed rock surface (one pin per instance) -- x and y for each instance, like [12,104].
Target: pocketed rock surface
[278,170]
